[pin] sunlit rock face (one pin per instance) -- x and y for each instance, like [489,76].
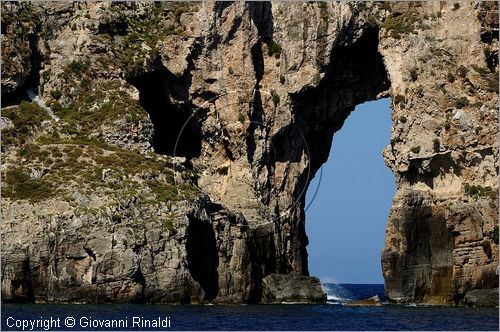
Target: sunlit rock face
[189,132]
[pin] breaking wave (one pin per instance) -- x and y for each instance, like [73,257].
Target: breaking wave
[341,293]
[336,293]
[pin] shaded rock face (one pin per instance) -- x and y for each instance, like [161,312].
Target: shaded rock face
[196,128]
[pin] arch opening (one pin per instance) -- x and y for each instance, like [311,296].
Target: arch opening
[356,74]
[347,216]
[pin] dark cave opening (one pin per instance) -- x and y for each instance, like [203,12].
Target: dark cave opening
[176,132]
[21,284]
[15,98]
[202,256]
[32,80]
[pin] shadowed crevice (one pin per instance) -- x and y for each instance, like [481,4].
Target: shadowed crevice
[202,256]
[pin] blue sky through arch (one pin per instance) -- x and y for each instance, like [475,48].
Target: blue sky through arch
[346,221]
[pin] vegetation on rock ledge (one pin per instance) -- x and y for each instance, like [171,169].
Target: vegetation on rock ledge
[273,48]
[399,24]
[26,118]
[478,191]
[91,166]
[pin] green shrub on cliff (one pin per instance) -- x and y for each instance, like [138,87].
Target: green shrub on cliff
[461,102]
[415,149]
[56,94]
[399,99]
[273,48]
[479,191]
[414,74]
[87,113]
[483,71]
[373,21]
[275,97]
[93,166]
[451,77]
[436,144]
[168,224]
[77,67]
[399,24]
[462,71]
[56,107]
[25,118]
[148,31]
[471,190]
[19,185]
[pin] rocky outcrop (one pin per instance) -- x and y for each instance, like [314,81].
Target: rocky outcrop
[482,298]
[372,301]
[291,288]
[188,134]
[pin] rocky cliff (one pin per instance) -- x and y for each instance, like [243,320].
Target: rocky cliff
[167,147]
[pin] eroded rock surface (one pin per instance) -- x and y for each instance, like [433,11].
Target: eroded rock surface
[188,134]
[291,288]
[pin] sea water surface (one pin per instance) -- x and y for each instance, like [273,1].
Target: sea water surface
[330,316]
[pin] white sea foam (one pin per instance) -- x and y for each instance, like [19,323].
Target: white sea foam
[334,298]
[335,293]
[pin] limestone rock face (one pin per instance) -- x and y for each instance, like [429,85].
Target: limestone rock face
[445,213]
[185,136]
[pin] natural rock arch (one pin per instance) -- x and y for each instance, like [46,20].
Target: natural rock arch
[273,82]
[364,63]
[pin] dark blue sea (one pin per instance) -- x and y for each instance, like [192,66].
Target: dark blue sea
[331,316]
